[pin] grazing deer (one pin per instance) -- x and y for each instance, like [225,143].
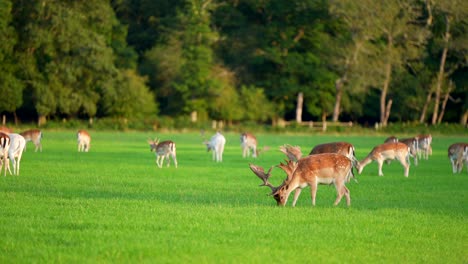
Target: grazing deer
[413,144]
[216,144]
[424,146]
[15,152]
[387,151]
[248,144]
[163,150]
[35,136]
[390,139]
[326,168]
[4,147]
[84,141]
[458,153]
[343,148]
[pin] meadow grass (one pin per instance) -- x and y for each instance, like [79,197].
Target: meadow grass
[114,205]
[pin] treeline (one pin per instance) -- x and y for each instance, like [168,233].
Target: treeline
[235,60]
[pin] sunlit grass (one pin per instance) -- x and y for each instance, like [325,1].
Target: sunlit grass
[114,205]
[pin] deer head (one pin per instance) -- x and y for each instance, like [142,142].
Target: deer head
[153,144]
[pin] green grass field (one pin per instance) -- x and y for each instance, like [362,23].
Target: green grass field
[114,205]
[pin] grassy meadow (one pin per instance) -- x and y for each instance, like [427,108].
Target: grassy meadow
[114,204]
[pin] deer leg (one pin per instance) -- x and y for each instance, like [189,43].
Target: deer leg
[175,159]
[347,194]
[339,192]
[296,195]
[168,161]
[254,152]
[380,163]
[313,192]
[406,166]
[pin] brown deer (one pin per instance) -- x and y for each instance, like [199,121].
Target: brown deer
[35,136]
[248,144]
[163,150]
[4,148]
[84,140]
[387,151]
[343,148]
[327,168]
[413,145]
[458,154]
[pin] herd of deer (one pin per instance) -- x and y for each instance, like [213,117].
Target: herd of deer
[329,163]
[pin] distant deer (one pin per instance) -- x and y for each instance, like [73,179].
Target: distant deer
[387,151]
[4,147]
[15,152]
[327,168]
[163,150]
[424,144]
[34,135]
[216,144]
[413,144]
[248,144]
[458,154]
[84,141]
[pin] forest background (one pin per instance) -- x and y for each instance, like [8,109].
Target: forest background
[166,62]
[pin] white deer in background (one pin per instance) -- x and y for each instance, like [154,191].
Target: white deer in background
[424,146]
[248,144]
[216,144]
[163,150]
[34,135]
[4,147]
[84,141]
[15,152]
[458,154]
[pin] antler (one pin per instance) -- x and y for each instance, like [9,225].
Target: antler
[260,172]
[289,168]
[293,153]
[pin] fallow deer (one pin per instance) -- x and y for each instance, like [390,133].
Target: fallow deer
[424,146]
[327,168]
[35,136]
[4,147]
[248,144]
[84,141]
[413,144]
[343,148]
[15,152]
[387,151]
[458,154]
[216,144]
[163,150]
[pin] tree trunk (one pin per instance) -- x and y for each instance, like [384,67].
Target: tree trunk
[42,120]
[422,118]
[339,94]
[4,120]
[464,119]
[300,101]
[383,95]
[440,76]
[387,110]
[324,121]
[444,103]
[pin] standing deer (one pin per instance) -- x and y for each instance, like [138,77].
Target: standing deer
[84,141]
[458,154]
[343,148]
[327,168]
[163,150]
[216,144]
[4,147]
[15,152]
[387,151]
[413,144]
[248,144]
[424,146]
[35,136]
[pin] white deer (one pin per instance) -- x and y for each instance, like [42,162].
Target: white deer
[34,135]
[163,150]
[15,152]
[387,151]
[216,144]
[458,154]
[424,146]
[84,141]
[248,144]
[4,147]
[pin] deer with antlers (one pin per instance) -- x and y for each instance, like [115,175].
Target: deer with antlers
[326,168]
[163,150]
[387,151]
